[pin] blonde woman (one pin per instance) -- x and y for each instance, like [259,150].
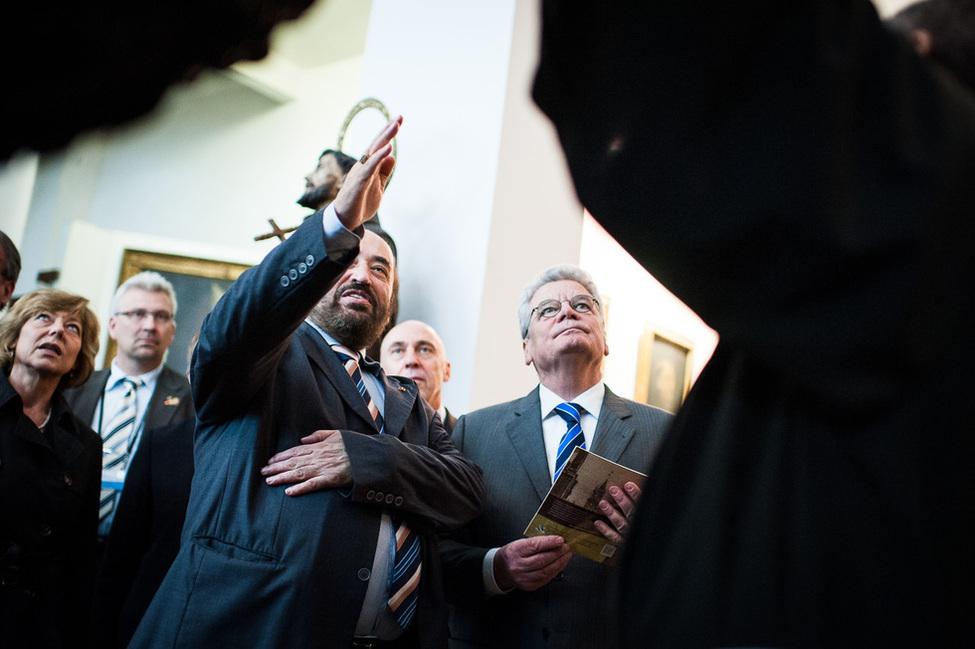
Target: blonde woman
[50,472]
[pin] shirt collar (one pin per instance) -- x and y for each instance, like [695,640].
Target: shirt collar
[591,400]
[332,341]
[116,374]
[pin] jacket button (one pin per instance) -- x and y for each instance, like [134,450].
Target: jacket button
[398,501]
[293,274]
[45,530]
[302,268]
[310,260]
[67,479]
[389,499]
[559,576]
[370,494]
[285,281]
[364,574]
[379,496]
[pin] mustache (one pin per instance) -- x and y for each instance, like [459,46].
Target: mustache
[356,286]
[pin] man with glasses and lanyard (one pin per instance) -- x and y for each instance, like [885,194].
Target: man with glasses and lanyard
[511,591]
[138,391]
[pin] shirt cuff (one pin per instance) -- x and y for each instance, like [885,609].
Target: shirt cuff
[339,240]
[487,572]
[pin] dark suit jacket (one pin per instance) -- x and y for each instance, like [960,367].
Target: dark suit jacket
[259,568]
[49,485]
[170,402]
[145,534]
[802,180]
[506,442]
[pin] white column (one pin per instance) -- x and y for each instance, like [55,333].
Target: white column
[481,200]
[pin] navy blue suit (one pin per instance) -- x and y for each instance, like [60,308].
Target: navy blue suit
[258,568]
[145,534]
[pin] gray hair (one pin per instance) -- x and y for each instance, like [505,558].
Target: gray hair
[555,274]
[147,280]
[11,269]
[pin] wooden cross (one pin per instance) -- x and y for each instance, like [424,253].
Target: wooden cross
[275,232]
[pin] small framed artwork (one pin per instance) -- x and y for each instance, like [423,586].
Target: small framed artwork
[663,373]
[198,283]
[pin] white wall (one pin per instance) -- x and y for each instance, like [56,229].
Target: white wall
[636,300]
[444,66]
[17,177]
[199,176]
[888,8]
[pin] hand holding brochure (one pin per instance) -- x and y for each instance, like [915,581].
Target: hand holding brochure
[571,506]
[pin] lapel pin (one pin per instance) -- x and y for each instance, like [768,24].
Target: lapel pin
[171,401]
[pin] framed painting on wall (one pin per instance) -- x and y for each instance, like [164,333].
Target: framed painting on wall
[198,283]
[663,368]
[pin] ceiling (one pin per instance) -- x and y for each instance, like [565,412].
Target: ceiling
[329,31]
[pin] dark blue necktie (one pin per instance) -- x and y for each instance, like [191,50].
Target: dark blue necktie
[573,435]
[407,561]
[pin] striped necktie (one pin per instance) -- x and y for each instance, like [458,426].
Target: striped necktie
[573,435]
[407,561]
[115,445]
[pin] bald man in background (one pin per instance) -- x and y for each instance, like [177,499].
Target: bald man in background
[415,350]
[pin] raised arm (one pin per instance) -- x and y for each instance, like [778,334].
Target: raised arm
[242,339]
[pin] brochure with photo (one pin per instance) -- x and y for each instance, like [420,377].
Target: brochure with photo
[571,507]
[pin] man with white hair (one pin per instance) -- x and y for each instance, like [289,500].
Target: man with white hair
[138,391]
[511,591]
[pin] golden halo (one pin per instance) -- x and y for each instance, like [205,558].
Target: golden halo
[369,102]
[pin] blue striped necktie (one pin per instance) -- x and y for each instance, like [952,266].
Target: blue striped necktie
[573,435]
[115,443]
[407,560]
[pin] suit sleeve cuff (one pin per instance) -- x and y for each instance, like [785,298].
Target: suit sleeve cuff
[490,586]
[339,240]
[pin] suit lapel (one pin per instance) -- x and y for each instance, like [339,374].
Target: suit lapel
[84,400]
[399,404]
[331,365]
[613,430]
[161,407]
[524,429]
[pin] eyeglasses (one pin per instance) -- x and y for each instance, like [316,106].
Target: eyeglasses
[162,317]
[579,304]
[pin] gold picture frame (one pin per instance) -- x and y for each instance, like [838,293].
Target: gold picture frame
[664,367]
[198,283]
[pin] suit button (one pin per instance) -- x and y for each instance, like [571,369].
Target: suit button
[379,496]
[364,574]
[389,499]
[45,530]
[310,260]
[398,501]
[559,576]
[302,268]
[370,494]
[285,281]
[293,274]
[67,479]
